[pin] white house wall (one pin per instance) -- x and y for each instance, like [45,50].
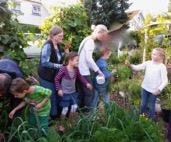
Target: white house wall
[27,17]
[136,23]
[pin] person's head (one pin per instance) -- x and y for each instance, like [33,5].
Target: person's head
[100,32]
[72,59]
[105,53]
[19,87]
[56,34]
[5,81]
[158,55]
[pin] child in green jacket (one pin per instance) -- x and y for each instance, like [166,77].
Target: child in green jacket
[38,98]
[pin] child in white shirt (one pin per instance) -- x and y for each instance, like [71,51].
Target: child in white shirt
[155,80]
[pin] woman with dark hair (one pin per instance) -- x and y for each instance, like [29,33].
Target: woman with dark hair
[51,59]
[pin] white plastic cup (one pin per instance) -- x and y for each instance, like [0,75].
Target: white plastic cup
[100,79]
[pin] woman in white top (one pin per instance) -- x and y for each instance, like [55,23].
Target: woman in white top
[155,80]
[87,63]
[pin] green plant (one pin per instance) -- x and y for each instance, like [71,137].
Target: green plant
[134,91]
[29,67]
[135,57]
[74,21]
[165,97]
[123,73]
[12,38]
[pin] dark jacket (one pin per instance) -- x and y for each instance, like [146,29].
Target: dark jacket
[48,72]
[11,68]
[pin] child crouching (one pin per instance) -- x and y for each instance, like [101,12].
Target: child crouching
[37,97]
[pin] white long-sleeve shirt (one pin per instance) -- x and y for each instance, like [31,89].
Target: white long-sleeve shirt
[155,75]
[86,61]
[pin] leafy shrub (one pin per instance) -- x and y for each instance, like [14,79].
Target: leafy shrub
[165,97]
[123,73]
[74,21]
[135,58]
[29,67]
[105,134]
[134,91]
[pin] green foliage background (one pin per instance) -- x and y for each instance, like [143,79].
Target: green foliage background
[106,12]
[74,21]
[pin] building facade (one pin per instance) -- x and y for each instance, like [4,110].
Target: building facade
[136,20]
[31,12]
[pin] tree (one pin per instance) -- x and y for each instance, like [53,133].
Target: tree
[12,38]
[106,11]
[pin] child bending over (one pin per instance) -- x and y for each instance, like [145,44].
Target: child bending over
[155,80]
[65,82]
[38,98]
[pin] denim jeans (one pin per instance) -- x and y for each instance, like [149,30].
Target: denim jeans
[100,94]
[145,95]
[68,99]
[54,98]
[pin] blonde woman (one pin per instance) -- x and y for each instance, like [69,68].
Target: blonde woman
[87,63]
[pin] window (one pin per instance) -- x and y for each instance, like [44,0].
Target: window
[36,10]
[17,8]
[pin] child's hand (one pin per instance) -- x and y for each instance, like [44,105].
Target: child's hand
[11,114]
[38,106]
[89,86]
[60,93]
[156,92]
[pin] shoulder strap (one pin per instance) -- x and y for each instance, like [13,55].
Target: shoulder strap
[82,46]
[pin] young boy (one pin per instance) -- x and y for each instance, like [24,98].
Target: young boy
[101,90]
[38,98]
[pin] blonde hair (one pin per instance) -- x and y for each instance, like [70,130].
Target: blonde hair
[99,29]
[55,31]
[161,52]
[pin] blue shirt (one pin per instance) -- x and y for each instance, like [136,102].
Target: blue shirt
[10,67]
[103,66]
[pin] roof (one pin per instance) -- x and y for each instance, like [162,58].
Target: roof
[117,26]
[132,14]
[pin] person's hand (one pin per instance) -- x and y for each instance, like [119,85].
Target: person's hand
[156,92]
[100,73]
[60,93]
[32,80]
[38,106]
[66,50]
[68,45]
[11,114]
[89,86]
